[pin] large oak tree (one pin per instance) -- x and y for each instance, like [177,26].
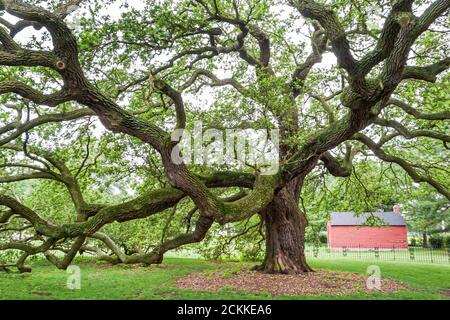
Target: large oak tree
[339,79]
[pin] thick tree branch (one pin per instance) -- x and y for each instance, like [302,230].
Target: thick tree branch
[411,134]
[177,100]
[51,100]
[427,73]
[386,41]
[445,115]
[429,16]
[333,28]
[335,167]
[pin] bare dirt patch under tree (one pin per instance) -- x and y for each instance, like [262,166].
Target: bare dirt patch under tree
[309,284]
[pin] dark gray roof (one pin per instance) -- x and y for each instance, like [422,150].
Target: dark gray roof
[352,219]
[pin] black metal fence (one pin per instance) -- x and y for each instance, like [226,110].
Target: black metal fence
[411,254]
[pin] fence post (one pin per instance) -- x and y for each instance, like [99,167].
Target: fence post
[344,251]
[448,254]
[431,254]
[411,253]
[393,248]
[377,253]
[359,250]
[315,250]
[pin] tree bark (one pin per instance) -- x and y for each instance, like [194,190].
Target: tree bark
[285,226]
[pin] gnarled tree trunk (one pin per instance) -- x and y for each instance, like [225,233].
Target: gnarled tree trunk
[285,234]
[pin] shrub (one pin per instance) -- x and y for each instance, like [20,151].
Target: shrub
[323,238]
[9,256]
[413,242]
[437,242]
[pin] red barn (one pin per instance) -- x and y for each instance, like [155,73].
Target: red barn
[347,230]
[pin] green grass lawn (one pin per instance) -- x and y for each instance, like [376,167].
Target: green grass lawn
[157,282]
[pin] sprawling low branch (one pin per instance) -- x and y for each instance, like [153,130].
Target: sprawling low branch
[139,208]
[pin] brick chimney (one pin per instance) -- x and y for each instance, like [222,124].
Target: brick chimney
[396,209]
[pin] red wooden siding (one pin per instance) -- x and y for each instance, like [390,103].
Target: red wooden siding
[367,237]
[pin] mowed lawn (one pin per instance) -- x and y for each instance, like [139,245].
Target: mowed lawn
[100,281]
